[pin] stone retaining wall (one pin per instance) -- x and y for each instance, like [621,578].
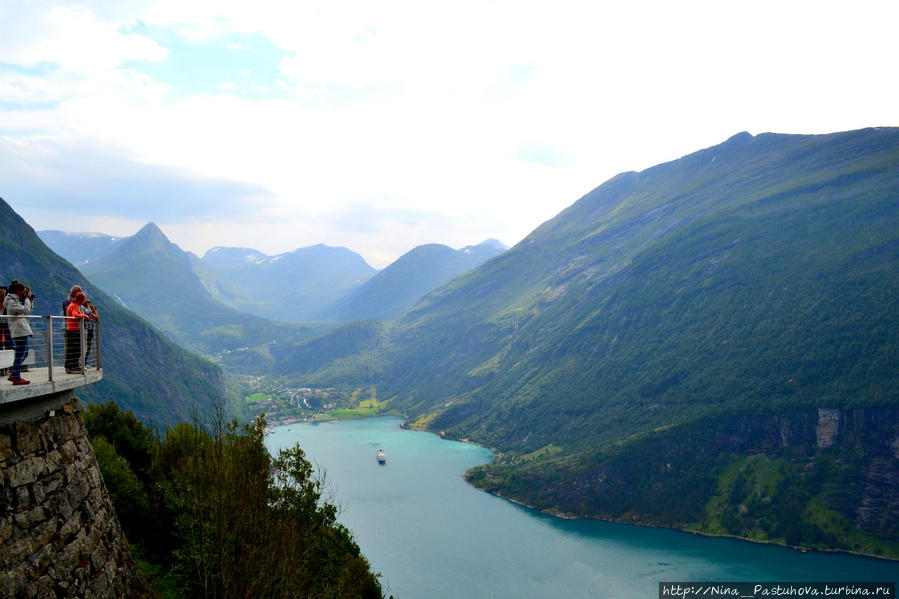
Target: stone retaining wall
[59,534]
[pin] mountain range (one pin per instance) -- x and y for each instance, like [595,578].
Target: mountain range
[79,248]
[620,357]
[152,276]
[212,304]
[143,371]
[395,289]
[293,286]
[224,284]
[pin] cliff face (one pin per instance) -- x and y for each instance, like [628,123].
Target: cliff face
[814,477]
[854,449]
[59,534]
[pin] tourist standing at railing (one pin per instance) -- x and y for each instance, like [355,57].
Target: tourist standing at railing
[73,334]
[89,310]
[75,290]
[5,338]
[19,302]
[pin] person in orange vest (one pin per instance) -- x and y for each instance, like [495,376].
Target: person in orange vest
[74,318]
[75,290]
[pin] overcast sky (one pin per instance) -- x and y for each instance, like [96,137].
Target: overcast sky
[380,125]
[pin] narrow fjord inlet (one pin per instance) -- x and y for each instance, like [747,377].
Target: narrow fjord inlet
[431,535]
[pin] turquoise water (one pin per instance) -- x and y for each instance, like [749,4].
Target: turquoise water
[433,536]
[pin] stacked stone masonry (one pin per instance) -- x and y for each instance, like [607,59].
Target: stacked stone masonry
[59,534]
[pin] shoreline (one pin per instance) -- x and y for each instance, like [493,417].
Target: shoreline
[568,516]
[554,513]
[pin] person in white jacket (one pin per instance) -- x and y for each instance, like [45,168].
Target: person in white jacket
[19,303]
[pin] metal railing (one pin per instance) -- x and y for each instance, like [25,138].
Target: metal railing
[50,347]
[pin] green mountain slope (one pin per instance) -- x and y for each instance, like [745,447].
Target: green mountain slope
[754,278]
[143,371]
[396,288]
[716,278]
[153,277]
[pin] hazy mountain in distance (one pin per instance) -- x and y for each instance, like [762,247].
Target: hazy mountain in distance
[78,248]
[396,288]
[153,277]
[229,257]
[212,281]
[143,371]
[293,286]
[707,343]
[493,243]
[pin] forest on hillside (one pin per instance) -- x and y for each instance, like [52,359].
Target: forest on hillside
[211,514]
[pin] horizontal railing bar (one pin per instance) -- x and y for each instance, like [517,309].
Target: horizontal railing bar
[40,316]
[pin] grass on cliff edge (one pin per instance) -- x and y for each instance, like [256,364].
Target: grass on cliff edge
[774,500]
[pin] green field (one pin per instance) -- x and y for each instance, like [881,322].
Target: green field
[344,413]
[365,407]
[257,397]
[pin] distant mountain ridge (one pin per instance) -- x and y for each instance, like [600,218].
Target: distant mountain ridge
[229,257]
[143,371]
[292,286]
[315,283]
[395,289]
[79,248]
[154,277]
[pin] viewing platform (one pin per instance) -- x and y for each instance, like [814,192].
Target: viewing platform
[51,384]
[42,383]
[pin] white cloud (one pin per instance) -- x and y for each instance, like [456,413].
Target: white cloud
[396,109]
[71,37]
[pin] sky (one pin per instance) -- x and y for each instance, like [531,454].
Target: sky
[383,125]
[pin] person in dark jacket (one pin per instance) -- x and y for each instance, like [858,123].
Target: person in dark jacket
[90,310]
[19,302]
[5,338]
[75,290]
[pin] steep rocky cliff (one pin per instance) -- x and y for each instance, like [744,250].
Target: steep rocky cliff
[59,534]
[814,477]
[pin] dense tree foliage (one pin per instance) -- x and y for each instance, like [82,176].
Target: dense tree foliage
[222,515]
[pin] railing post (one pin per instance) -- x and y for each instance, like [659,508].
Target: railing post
[65,342]
[83,334]
[97,341]
[49,344]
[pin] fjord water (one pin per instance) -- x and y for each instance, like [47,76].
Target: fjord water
[433,536]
